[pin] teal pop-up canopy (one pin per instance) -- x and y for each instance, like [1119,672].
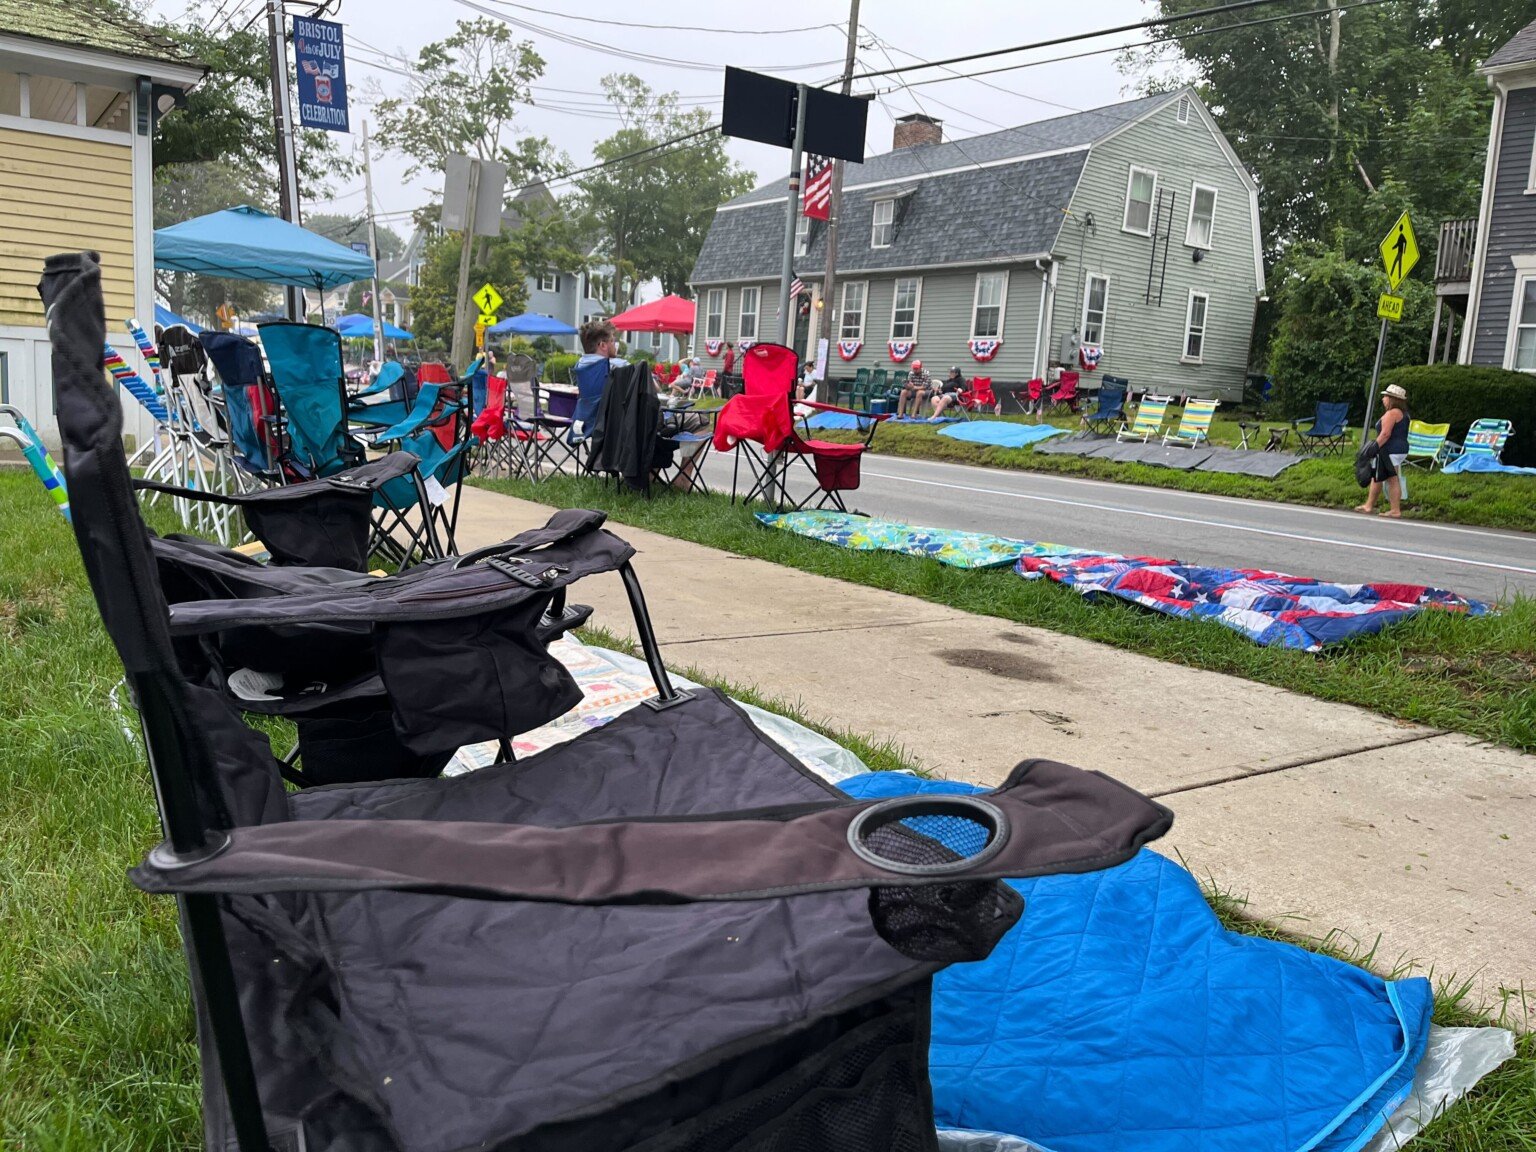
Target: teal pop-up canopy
[245,243]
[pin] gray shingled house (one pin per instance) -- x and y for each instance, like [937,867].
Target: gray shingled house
[1501,280]
[1133,229]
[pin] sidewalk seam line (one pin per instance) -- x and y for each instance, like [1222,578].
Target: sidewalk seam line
[804,632]
[1307,762]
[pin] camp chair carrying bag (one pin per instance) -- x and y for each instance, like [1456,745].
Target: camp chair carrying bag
[665,935]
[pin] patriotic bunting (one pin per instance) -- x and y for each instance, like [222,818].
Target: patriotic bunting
[816,192]
[1089,355]
[901,349]
[712,347]
[984,350]
[745,345]
[848,349]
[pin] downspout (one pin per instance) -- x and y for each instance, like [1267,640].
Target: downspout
[1034,364]
[1050,311]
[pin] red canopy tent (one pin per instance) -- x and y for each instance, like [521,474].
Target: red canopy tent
[669,314]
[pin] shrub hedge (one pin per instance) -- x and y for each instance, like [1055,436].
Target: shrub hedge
[557,368]
[1457,394]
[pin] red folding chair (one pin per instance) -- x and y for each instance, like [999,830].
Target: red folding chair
[1065,394]
[978,397]
[759,425]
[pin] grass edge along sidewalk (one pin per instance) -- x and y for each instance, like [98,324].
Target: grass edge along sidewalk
[1471,675]
[97,1042]
[1481,501]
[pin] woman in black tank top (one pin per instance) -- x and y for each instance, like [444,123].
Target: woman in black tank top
[1392,450]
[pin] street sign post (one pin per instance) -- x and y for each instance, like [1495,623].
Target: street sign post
[1399,253]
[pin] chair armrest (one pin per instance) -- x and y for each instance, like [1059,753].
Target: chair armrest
[877,417]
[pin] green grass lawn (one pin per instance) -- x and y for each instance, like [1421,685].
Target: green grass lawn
[1463,674]
[1487,501]
[97,1048]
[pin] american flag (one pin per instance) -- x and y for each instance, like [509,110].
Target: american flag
[816,196]
[796,287]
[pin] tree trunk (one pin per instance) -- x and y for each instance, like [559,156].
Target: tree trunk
[1333,77]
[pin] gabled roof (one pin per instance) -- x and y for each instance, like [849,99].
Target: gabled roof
[993,197]
[1521,49]
[90,26]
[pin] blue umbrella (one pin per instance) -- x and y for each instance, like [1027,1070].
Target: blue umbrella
[356,326]
[168,319]
[247,244]
[531,324]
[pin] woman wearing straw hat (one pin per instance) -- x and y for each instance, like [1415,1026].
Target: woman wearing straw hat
[1392,452]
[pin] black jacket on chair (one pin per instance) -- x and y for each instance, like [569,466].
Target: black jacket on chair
[625,436]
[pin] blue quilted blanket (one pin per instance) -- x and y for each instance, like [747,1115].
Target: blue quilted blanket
[1120,1016]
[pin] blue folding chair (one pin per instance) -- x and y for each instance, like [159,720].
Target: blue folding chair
[1111,408]
[1326,431]
[250,404]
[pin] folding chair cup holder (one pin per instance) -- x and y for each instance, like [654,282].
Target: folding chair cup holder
[665,935]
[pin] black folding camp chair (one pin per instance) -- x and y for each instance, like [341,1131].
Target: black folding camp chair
[664,935]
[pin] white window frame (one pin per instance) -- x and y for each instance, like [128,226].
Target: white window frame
[917,304]
[1530,177]
[889,224]
[842,312]
[1189,225]
[1189,327]
[1125,216]
[714,314]
[742,313]
[802,235]
[1082,322]
[549,281]
[1002,305]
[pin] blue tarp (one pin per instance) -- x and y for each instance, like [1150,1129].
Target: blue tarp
[168,319]
[245,243]
[1119,1016]
[838,420]
[1002,433]
[356,326]
[531,324]
[1486,464]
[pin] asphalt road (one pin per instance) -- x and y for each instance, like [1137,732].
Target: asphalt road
[1216,530]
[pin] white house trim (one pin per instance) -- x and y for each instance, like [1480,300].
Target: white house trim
[1125,206]
[1525,272]
[1484,220]
[1189,314]
[917,306]
[1195,187]
[1002,305]
[58,128]
[990,262]
[1089,276]
[87,64]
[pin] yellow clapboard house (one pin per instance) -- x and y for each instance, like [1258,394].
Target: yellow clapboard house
[78,89]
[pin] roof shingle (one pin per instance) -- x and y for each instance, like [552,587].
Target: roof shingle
[1521,49]
[105,28]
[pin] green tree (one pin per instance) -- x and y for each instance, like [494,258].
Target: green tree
[463,98]
[652,213]
[184,191]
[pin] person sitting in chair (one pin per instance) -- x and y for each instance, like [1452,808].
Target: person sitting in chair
[919,385]
[691,371]
[948,392]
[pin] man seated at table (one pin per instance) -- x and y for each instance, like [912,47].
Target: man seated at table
[948,392]
[919,385]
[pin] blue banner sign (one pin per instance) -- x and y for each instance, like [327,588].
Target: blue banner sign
[322,69]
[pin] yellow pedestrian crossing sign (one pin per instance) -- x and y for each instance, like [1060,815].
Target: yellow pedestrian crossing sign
[1399,251]
[490,301]
[1390,308]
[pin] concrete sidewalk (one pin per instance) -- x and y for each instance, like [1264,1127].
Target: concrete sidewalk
[1328,818]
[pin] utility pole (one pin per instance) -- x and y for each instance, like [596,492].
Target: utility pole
[373,250]
[829,279]
[287,166]
[791,217]
[463,330]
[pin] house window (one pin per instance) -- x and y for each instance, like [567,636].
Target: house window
[1183,109]
[549,282]
[852,325]
[714,314]
[1139,191]
[747,328]
[388,311]
[1194,327]
[904,304]
[802,235]
[1525,326]
[885,224]
[1095,309]
[987,313]
[1202,216]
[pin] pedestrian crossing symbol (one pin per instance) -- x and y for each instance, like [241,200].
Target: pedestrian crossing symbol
[1399,251]
[490,300]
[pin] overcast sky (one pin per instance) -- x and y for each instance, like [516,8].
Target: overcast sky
[690,62]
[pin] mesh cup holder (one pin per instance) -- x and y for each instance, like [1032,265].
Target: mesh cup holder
[928,835]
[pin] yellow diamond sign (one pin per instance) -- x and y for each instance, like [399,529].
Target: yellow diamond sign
[489,299]
[1399,251]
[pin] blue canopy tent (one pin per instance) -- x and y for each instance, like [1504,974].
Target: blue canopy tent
[531,324]
[168,319]
[245,243]
[356,326]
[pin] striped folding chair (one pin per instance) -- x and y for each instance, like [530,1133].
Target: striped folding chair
[1150,414]
[1427,444]
[1486,438]
[1194,425]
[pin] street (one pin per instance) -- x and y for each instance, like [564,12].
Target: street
[1221,531]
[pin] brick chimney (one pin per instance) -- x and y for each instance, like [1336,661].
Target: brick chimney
[917,130]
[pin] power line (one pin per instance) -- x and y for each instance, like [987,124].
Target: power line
[1137,26]
[671,27]
[981,83]
[1170,38]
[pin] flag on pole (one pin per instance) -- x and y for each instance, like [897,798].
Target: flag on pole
[816,198]
[796,287]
